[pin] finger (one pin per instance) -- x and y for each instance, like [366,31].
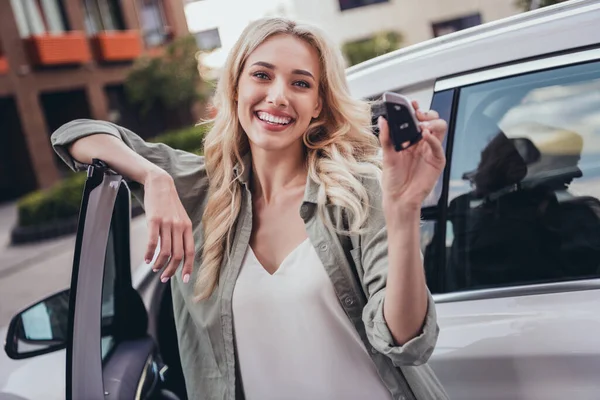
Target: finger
[435,145]
[176,251]
[415,105]
[152,240]
[165,246]
[427,115]
[437,127]
[189,253]
[384,133]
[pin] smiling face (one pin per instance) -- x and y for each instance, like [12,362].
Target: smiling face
[278,92]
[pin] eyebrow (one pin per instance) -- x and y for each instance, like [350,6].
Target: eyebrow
[296,71]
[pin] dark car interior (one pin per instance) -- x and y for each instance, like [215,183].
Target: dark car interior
[141,364]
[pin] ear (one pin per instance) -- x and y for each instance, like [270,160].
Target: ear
[318,108]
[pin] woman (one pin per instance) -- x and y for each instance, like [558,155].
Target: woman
[287,288]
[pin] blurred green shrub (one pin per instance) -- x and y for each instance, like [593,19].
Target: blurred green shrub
[172,80]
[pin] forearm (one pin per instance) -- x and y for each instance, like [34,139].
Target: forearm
[115,153]
[405,305]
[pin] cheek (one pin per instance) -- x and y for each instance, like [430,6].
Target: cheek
[244,106]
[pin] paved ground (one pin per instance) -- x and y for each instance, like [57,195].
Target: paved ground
[30,272]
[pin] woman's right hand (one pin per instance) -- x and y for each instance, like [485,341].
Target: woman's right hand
[168,222]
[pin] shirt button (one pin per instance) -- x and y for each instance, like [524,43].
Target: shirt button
[348,301]
[324,247]
[373,350]
[304,211]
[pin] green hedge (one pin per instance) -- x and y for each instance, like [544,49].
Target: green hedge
[188,139]
[62,201]
[59,202]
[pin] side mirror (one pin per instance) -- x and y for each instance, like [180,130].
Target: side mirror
[40,329]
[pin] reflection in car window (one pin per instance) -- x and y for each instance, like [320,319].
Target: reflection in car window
[525,180]
[108,294]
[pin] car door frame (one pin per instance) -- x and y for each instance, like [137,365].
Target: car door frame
[85,314]
[105,205]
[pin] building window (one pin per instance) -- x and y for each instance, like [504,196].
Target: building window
[39,17]
[349,4]
[208,40]
[102,15]
[455,25]
[153,21]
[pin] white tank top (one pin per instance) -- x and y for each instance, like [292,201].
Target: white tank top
[294,340]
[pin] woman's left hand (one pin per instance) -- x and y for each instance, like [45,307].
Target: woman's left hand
[410,175]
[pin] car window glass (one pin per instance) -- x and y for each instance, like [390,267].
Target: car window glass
[525,181]
[108,294]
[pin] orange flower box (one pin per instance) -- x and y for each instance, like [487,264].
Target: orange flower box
[117,46]
[3,65]
[50,50]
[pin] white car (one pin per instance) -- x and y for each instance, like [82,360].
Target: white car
[511,234]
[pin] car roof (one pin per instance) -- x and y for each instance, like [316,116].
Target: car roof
[552,29]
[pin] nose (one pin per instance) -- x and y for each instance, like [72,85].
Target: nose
[277,95]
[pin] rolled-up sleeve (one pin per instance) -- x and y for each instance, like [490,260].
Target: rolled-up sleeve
[414,352]
[374,259]
[72,131]
[187,169]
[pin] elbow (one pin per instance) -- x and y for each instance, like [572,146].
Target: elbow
[409,348]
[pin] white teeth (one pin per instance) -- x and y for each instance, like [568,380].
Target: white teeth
[273,119]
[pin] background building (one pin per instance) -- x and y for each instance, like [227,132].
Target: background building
[218,23]
[67,59]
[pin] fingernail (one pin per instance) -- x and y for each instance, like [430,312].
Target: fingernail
[155,269]
[164,279]
[147,260]
[186,278]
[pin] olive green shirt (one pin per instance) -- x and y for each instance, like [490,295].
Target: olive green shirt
[357,266]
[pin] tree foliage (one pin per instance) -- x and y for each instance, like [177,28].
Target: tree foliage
[527,5]
[171,80]
[365,49]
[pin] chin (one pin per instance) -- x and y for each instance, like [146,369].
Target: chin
[268,144]
[267,141]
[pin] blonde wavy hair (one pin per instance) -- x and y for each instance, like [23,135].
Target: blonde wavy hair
[340,145]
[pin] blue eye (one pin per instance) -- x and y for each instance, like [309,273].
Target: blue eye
[260,75]
[303,84]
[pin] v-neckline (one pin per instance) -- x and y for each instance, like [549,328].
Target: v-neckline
[285,259]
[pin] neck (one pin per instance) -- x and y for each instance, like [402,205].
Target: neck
[274,172]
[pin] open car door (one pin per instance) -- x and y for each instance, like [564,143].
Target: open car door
[109,352]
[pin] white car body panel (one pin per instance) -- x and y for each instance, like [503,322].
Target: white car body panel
[41,377]
[542,346]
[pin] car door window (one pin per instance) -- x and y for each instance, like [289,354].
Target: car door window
[524,181]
